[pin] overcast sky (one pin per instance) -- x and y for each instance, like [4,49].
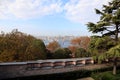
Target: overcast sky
[49,17]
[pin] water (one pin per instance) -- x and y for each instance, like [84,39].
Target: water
[64,41]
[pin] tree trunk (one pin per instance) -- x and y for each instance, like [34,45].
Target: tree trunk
[114,61]
[114,66]
[116,33]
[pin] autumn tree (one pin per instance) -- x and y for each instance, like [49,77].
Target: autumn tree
[72,49]
[17,46]
[81,42]
[52,46]
[76,41]
[109,23]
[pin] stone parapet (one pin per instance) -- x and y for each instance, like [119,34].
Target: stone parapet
[40,67]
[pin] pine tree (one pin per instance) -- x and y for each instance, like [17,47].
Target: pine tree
[108,25]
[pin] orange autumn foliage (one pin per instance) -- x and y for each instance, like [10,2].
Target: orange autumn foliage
[81,42]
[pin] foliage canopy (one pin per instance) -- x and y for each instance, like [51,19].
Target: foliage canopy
[17,46]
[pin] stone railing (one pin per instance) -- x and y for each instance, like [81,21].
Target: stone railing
[52,63]
[60,63]
[41,67]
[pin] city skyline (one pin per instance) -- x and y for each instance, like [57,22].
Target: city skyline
[49,17]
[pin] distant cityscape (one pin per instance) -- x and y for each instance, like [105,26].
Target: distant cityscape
[64,41]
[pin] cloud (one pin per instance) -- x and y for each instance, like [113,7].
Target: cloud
[82,11]
[28,8]
[4,9]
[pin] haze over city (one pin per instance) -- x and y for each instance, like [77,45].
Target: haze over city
[49,17]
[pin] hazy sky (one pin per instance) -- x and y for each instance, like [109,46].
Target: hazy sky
[49,17]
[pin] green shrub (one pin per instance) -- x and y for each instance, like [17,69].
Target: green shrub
[105,76]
